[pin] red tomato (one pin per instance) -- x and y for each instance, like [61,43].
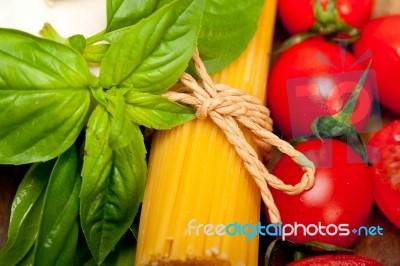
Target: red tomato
[340,200]
[384,153]
[335,260]
[311,79]
[381,36]
[299,16]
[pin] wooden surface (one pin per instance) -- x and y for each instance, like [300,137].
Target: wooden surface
[386,248]
[386,7]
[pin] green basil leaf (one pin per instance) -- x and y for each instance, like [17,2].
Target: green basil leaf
[95,53]
[38,126]
[44,97]
[29,258]
[121,126]
[58,233]
[50,33]
[98,154]
[78,42]
[123,254]
[83,254]
[100,96]
[154,111]
[43,226]
[123,13]
[226,29]
[30,62]
[222,37]
[112,186]
[25,216]
[134,228]
[114,35]
[153,53]
[70,245]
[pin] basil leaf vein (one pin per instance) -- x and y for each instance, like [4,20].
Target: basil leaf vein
[154,111]
[44,97]
[112,186]
[153,53]
[123,13]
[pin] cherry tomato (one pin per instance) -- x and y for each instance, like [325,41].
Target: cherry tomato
[381,36]
[311,79]
[339,201]
[384,154]
[299,16]
[334,260]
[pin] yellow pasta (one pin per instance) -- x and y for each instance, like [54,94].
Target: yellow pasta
[195,177]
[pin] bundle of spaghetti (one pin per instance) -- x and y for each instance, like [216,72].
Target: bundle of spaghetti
[197,183]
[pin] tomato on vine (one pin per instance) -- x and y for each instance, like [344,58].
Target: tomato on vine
[339,201]
[324,16]
[311,79]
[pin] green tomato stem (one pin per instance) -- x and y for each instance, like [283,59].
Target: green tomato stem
[340,125]
[293,40]
[298,255]
[326,247]
[345,114]
[328,22]
[325,17]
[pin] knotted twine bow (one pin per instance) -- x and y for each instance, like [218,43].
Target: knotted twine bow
[228,108]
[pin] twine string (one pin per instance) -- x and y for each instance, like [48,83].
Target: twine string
[230,107]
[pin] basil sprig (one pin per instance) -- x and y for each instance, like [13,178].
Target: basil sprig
[47,95]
